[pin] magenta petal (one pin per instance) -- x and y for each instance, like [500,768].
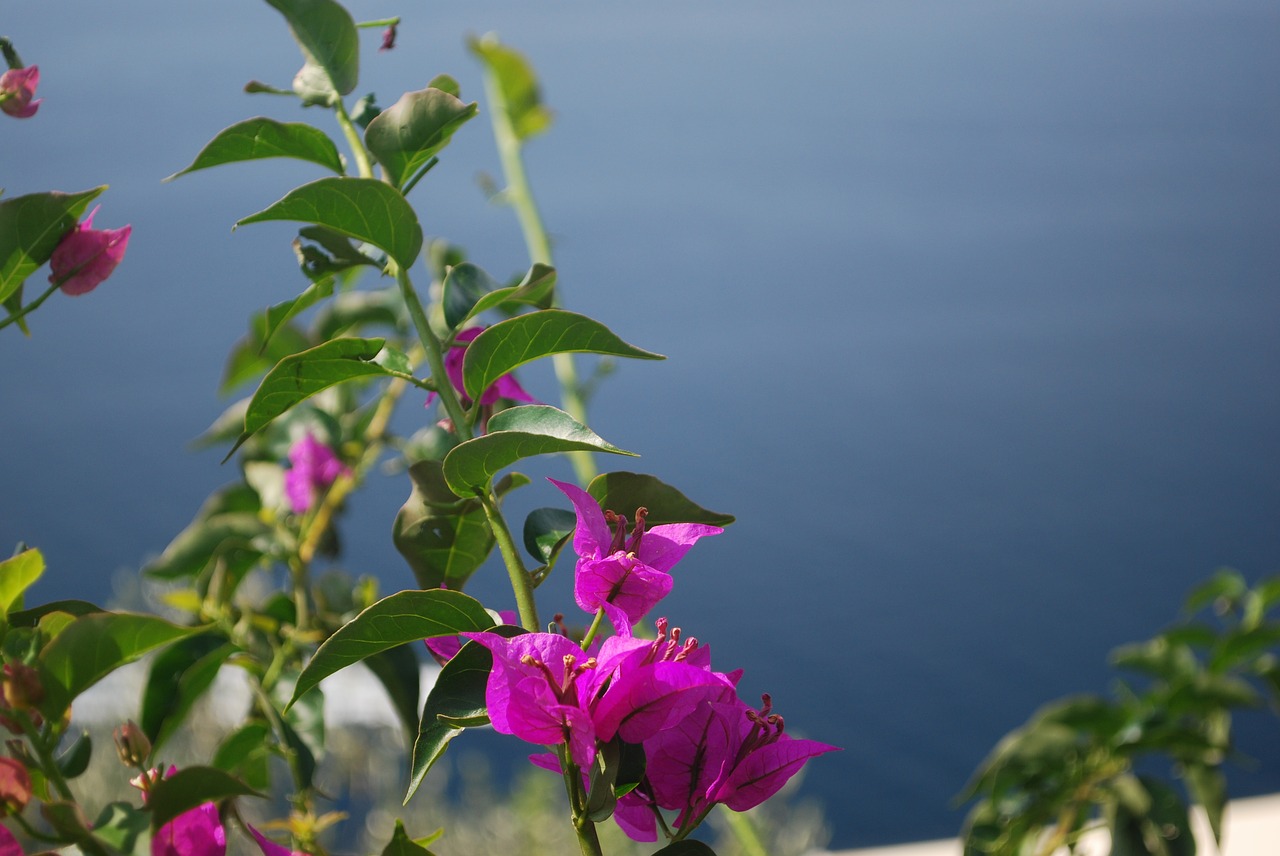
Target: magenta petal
[684,761]
[197,832]
[641,702]
[269,847]
[9,845]
[623,581]
[765,770]
[87,256]
[664,545]
[591,537]
[20,84]
[635,817]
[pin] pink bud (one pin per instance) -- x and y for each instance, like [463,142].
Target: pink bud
[17,85]
[86,256]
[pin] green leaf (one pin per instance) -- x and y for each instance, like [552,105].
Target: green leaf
[408,616]
[464,286]
[124,828]
[361,309]
[329,253]
[298,377]
[512,343]
[1164,831]
[1226,584]
[1208,787]
[516,433]
[31,227]
[191,787]
[245,753]
[260,137]
[93,646]
[410,132]
[259,351]
[536,289]
[625,492]
[362,208]
[397,669]
[458,694]
[443,539]
[282,313]
[236,538]
[330,44]
[547,531]
[69,821]
[445,83]
[178,676]
[517,93]
[402,845]
[31,617]
[75,760]
[17,573]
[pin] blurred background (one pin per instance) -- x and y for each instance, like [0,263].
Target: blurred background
[971,313]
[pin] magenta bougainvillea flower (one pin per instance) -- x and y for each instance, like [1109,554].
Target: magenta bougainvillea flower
[86,256]
[625,575]
[197,832]
[723,752]
[269,847]
[9,845]
[315,467]
[504,387]
[17,86]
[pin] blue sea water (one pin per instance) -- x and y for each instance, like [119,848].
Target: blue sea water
[971,311]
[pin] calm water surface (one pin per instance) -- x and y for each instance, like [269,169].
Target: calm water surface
[971,311]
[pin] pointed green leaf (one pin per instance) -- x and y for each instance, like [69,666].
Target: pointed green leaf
[93,646]
[17,573]
[625,492]
[245,753]
[402,845]
[237,538]
[458,694]
[1208,787]
[688,847]
[408,616]
[178,677]
[397,670]
[330,44]
[536,289]
[363,208]
[410,132]
[356,310]
[191,787]
[31,227]
[517,93]
[444,540]
[516,433]
[512,343]
[75,760]
[257,353]
[260,137]
[547,531]
[282,313]
[125,828]
[31,617]
[298,377]
[464,286]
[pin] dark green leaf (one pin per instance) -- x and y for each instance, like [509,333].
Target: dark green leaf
[261,348]
[75,760]
[464,286]
[298,377]
[92,646]
[410,132]
[124,828]
[1208,787]
[688,847]
[514,434]
[1248,645]
[1225,584]
[536,289]
[517,93]
[1164,831]
[443,539]
[245,753]
[17,573]
[402,845]
[510,344]
[360,309]
[546,531]
[397,669]
[260,137]
[282,313]
[408,616]
[235,537]
[178,676]
[458,694]
[191,787]
[31,617]
[362,208]
[625,492]
[327,35]
[31,227]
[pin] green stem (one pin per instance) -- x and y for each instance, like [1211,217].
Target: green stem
[593,629]
[44,754]
[588,839]
[434,353]
[520,196]
[30,307]
[521,584]
[381,22]
[363,164]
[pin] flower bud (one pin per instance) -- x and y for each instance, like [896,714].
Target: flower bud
[22,688]
[132,745]
[15,786]
[17,85]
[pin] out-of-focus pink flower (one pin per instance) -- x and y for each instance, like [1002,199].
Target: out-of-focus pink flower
[15,785]
[197,832]
[9,845]
[388,38]
[17,85]
[86,256]
[315,467]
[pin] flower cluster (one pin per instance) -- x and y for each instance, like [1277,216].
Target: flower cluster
[315,466]
[702,745]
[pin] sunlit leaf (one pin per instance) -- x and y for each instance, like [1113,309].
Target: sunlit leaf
[327,35]
[514,434]
[260,137]
[17,573]
[517,86]
[362,208]
[408,616]
[410,132]
[510,344]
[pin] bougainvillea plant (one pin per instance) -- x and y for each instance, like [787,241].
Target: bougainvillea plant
[629,712]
